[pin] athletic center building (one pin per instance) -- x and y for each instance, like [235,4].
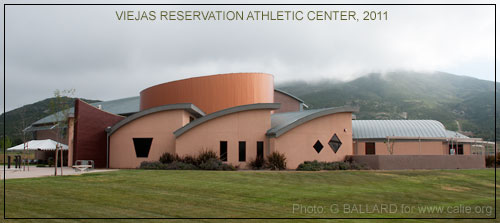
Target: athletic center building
[240,116]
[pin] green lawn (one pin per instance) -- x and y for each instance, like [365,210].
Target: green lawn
[247,194]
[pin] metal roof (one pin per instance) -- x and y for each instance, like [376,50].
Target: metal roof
[283,122]
[39,128]
[191,108]
[453,134]
[228,111]
[378,129]
[121,106]
[51,118]
[288,94]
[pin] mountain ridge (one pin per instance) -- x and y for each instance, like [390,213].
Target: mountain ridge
[409,95]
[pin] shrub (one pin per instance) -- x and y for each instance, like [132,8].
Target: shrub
[176,165]
[168,158]
[358,166]
[206,160]
[50,161]
[344,166]
[189,159]
[310,166]
[211,164]
[216,164]
[152,165]
[205,155]
[226,166]
[316,166]
[258,163]
[490,160]
[276,161]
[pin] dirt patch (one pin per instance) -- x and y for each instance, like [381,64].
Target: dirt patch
[455,188]
[386,174]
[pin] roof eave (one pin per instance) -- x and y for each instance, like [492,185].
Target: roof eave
[277,132]
[191,108]
[224,112]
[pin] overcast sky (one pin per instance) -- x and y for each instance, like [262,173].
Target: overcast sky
[88,49]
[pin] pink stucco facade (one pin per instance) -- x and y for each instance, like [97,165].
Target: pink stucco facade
[159,126]
[413,147]
[288,104]
[248,126]
[297,143]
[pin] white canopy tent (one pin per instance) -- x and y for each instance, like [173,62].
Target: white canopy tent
[46,144]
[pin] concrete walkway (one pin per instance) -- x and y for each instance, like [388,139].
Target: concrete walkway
[13,173]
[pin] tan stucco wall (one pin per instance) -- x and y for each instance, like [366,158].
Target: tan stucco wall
[249,126]
[159,126]
[297,144]
[409,148]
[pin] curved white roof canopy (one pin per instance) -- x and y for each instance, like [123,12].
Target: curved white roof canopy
[46,144]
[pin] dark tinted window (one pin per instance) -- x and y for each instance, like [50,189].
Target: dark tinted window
[456,149]
[370,148]
[142,146]
[223,150]
[260,149]
[242,147]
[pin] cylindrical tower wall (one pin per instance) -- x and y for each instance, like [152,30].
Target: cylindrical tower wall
[212,93]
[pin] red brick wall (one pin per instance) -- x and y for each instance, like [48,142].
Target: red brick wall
[50,134]
[90,139]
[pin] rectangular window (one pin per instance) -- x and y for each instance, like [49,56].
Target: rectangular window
[460,150]
[142,146]
[242,147]
[456,150]
[370,148]
[223,150]
[260,149]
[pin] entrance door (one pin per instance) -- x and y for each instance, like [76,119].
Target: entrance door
[370,148]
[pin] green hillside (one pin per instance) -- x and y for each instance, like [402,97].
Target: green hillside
[22,117]
[441,96]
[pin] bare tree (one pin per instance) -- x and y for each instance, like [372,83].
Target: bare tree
[61,110]
[390,145]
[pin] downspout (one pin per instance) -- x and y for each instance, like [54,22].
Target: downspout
[108,129]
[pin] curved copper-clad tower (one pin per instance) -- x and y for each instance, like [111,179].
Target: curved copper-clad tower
[212,93]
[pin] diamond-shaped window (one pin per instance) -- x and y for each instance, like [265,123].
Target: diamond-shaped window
[335,143]
[318,146]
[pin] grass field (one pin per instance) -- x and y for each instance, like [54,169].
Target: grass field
[248,194]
